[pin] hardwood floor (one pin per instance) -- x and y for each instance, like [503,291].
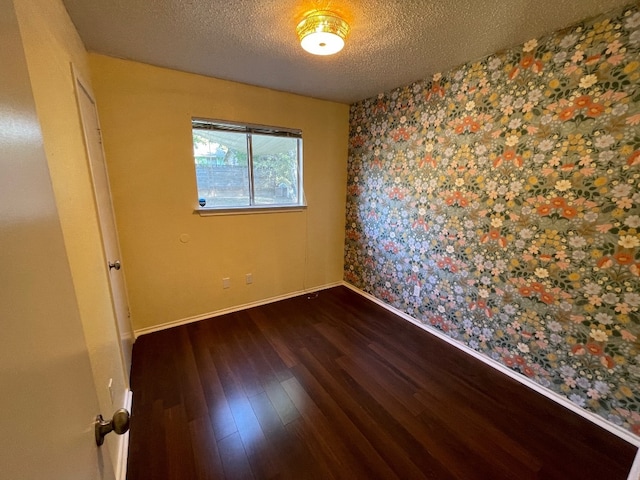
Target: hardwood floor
[334,386]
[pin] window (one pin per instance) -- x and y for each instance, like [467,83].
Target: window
[247,166]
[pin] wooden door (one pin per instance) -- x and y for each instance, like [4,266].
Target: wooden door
[49,400]
[102,191]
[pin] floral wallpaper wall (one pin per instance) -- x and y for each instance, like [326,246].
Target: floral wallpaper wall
[500,204]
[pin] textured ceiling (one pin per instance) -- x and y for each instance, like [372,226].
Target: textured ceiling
[392,42]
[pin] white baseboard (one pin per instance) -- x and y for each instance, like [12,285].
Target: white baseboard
[123,454]
[565,402]
[237,308]
[634,474]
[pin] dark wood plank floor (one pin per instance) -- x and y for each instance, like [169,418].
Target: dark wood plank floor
[337,387]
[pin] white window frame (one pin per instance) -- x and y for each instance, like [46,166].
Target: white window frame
[250,129]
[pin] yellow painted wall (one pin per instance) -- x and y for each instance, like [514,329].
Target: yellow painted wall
[51,44]
[145,113]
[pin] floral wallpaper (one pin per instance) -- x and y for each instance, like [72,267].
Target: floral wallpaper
[500,204]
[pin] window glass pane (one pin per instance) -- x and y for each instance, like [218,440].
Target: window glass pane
[275,170]
[222,170]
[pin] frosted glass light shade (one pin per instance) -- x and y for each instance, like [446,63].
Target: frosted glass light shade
[322,33]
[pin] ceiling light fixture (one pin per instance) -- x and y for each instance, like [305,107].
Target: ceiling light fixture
[322,32]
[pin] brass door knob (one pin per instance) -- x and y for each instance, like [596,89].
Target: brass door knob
[119,424]
[115,265]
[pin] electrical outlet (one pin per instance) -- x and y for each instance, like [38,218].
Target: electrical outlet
[249,278]
[226,282]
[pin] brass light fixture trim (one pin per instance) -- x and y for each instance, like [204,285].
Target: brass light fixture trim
[322,32]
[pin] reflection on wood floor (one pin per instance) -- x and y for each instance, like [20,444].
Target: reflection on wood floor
[334,386]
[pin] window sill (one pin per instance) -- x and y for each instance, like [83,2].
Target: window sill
[212,212]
